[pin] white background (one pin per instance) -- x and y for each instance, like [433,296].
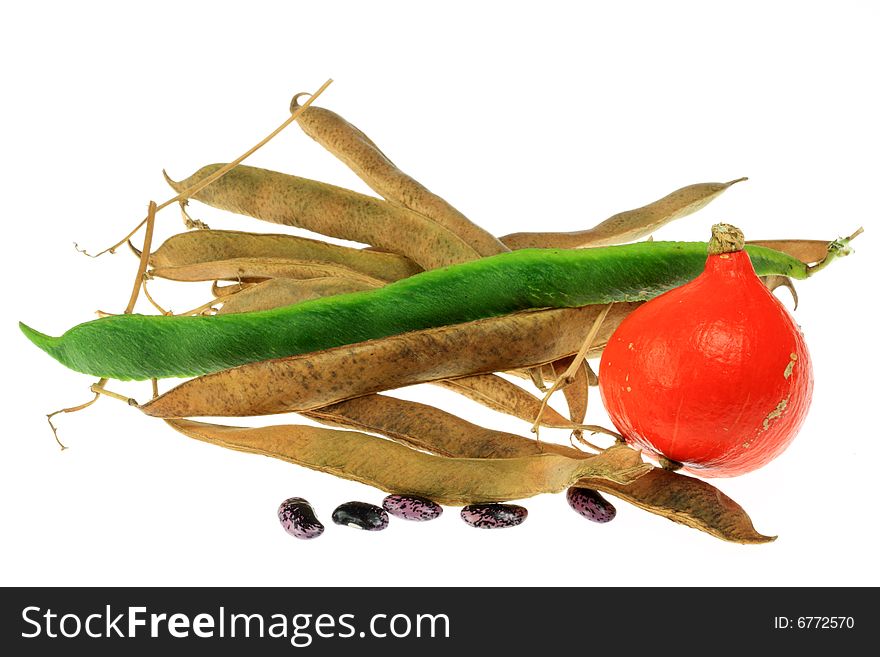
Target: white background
[525,116]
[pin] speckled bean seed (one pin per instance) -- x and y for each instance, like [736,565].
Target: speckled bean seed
[298,518]
[493,516]
[410,507]
[361,516]
[590,504]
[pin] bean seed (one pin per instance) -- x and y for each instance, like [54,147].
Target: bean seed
[298,518]
[361,515]
[493,516]
[410,507]
[590,504]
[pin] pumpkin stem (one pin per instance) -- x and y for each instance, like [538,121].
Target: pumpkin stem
[726,239]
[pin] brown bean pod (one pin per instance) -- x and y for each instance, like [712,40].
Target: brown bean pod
[688,501]
[282,292]
[371,165]
[548,373]
[626,226]
[429,428]
[503,396]
[213,245]
[237,269]
[332,211]
[398,469]
[807,251]
[680,498]
[577,392]
[309,381]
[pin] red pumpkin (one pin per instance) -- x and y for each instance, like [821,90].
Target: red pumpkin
[714,374]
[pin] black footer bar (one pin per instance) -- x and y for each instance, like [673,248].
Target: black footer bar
[432,620]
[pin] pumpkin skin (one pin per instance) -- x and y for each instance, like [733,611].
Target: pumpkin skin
[714,374]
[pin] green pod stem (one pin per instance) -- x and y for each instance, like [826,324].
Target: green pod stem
[137,347]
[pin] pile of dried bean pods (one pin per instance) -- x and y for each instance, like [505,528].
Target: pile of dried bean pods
[301,325]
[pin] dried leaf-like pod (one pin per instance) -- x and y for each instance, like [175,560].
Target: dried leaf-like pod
[680,498]
[238,269]
[626,226]
[330,210]
[773,282]
[372,166]
[215,245]
[688,501]
[505,397]
[395,468]
[807,251]
[278,292]
[577,392]
[431,429]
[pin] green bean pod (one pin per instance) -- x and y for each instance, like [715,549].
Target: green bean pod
[140,347]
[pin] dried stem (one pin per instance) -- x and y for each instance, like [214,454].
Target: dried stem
[189,222]
[568,376]
[577,436]
[595,428]
[196,311]
[145,257]
[195,189]
[72,409]
[99,389]
[153,301]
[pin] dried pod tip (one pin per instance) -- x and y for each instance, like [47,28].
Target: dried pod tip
[173,183]
[726,239]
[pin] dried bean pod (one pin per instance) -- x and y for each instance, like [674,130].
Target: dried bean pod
[627,226]
[298,518]
[590,504]
[361,515]
[372,166]
[395,468]
[330,210]
[278,292]
[410,507]
[681,499]
[213,245]
[236,269]
[493,516]
[311,381]
[505,397]
[807,251]
[577,392]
